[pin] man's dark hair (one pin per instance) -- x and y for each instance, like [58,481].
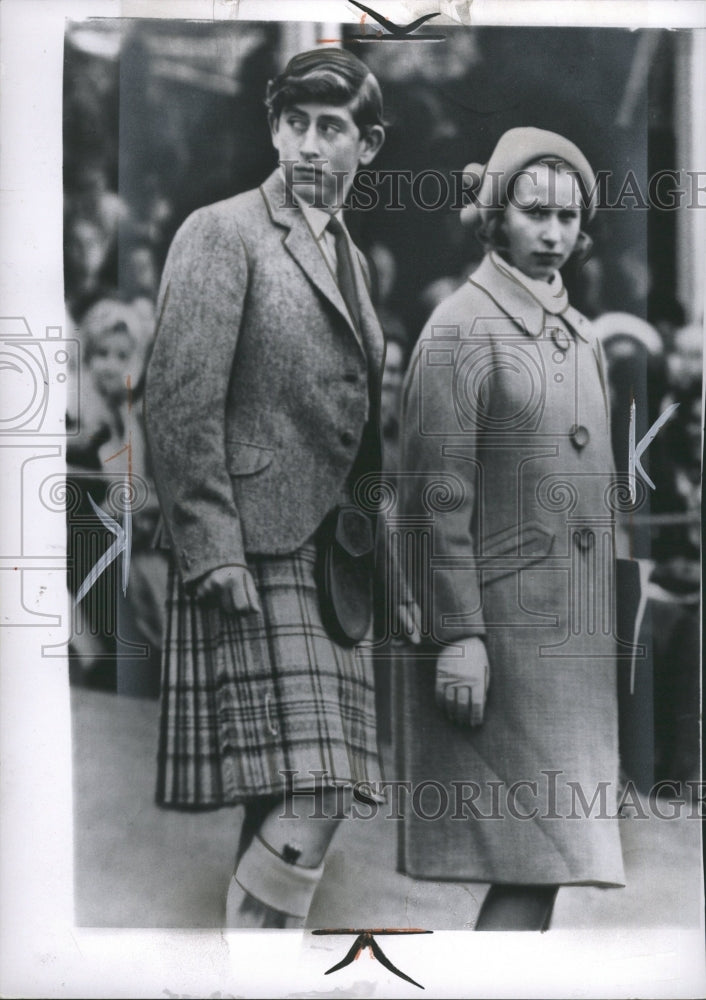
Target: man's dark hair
[328,76]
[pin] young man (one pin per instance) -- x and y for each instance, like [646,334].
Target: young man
[262,403]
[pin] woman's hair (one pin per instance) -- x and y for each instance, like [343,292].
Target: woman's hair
[329,76]
[107,316]
[490,233]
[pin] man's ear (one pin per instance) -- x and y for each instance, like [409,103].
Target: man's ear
[371,141]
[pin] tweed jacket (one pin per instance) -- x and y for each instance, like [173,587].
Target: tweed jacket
[260,385]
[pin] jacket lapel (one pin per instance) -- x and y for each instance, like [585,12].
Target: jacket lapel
[300,244]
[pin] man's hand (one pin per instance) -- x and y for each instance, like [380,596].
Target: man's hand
[462,679]
[231,587]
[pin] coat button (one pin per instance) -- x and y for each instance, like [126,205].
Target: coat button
[584,539]
[347,438]
[579,435]
[561,339]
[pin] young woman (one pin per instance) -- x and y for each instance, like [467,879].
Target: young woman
[508,474]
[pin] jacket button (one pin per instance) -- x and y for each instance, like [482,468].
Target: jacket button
[347,438]
[579,436]
[584,539]
[351,377]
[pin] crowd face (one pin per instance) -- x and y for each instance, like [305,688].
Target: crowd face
[87,248]
[685,363]
[109,363]
[542,221]
[141,273]
[322,147]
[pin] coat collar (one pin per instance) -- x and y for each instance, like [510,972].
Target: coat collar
[301,244]
[515,299]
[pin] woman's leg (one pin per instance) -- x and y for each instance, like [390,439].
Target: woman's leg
[280,861]
[517,908]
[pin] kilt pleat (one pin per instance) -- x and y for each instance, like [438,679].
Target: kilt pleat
[246,697]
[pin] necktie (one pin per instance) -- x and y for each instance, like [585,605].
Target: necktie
[368,457]
[344,269]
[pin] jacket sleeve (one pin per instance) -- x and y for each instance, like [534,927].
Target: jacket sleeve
[199,311]
[439,486]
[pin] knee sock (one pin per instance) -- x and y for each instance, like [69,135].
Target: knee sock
[266,876]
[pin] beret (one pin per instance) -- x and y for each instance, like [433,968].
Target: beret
[515,150]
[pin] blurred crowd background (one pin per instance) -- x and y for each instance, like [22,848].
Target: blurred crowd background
[161,117]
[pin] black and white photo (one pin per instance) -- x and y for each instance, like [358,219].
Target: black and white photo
[353,500]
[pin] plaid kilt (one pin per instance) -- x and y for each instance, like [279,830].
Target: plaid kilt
[247,696]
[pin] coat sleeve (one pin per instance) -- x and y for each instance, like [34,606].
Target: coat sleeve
[199,311]
[439,486]
[623,526]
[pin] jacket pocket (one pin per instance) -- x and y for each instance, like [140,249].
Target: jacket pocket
[244,458]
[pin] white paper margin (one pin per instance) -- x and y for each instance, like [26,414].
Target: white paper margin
[43,954]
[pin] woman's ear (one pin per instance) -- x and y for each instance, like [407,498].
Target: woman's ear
[371,142]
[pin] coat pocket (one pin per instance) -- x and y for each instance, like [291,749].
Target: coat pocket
[244,458]
[513,549]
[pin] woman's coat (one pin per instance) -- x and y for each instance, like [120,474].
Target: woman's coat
[508,492]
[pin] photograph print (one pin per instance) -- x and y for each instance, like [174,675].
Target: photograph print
[383,466]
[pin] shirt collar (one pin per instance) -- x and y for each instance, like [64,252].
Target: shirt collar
[317,219]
